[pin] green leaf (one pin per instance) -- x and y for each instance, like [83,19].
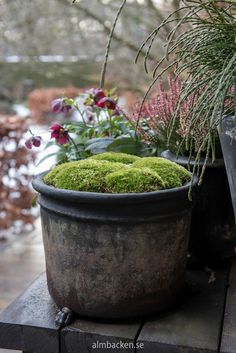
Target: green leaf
[98,145]
[34,200]
[125,145]
[46,157]
[49,144]
[97,139]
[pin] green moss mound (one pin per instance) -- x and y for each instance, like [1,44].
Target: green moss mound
[86,175]
[49,178]
[98,175]
[172,174]
[134,180]
[116,157]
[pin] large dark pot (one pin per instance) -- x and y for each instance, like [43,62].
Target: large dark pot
[213,231]
[227,135]
[115,255]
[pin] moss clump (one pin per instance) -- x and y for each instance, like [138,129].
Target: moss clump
[86,175]
[171,173]
[49,178]
[116,157]
[133,180]
[98,175]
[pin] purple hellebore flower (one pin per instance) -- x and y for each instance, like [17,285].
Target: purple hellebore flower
[33,141]
[61,105]
[107,102]
[117,111]
[98,95]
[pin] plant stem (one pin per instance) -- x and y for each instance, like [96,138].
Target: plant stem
[110,121]
[80,112]
[103,74]
[74,144]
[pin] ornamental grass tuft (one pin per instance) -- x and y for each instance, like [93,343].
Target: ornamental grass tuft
[201,47]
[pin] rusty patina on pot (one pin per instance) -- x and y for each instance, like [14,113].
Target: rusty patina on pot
[115,256]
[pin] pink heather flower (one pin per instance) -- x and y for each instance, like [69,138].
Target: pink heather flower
[33,141]
[98,95]
[107,102]
[60,134]
[61,105]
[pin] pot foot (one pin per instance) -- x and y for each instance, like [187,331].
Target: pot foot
[64,317]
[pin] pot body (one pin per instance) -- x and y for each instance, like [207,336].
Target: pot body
[213,231]
[115,256]
[228,145]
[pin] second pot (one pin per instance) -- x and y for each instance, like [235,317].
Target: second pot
[213,230]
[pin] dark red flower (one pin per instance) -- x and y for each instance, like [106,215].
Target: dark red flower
[33,141]
[98,95]
[61,105]
[60,134]
[107,102]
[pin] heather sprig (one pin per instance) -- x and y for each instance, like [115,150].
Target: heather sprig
[157,114]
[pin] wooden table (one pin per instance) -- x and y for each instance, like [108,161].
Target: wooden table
[204,322]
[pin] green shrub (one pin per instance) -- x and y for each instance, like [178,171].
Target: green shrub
[116,157]
[171,173]
[133,180]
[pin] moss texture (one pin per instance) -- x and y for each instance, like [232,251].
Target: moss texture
[86,175]
[172,174]
[49,178]
[98,175]
[116,157]
[134,180]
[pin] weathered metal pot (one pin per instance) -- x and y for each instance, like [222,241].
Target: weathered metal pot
[213,231]
[115,255]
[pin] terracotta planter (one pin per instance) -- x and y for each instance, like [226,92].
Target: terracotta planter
[115,255]
[213,231]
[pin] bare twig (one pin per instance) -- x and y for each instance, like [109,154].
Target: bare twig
[103,74]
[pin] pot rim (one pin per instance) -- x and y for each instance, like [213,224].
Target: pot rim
[96,197]
[183,160]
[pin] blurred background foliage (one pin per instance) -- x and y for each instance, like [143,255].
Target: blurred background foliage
[58,43]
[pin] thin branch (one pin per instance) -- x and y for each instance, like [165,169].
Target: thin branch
[109,44]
